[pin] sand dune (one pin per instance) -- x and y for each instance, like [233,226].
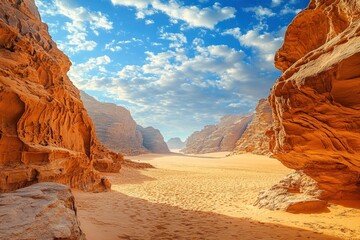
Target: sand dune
[203,197]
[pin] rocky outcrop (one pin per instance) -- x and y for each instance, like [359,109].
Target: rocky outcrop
[114,125]
[296,193]
[254,139]
[153,140]
[45,132]
[42,211]
[316,101]
[217,138]
[175,143]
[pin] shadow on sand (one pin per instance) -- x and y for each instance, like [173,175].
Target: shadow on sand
[113,215]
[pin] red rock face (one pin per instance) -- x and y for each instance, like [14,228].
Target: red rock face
[45,132]
[316,102]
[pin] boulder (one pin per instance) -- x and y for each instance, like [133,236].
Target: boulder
[296,193]
[42,211]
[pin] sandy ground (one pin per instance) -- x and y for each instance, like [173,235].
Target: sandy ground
[203,197]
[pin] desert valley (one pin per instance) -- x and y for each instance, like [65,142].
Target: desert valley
[75,165]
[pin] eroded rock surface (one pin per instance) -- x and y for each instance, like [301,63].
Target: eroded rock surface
[316,101]
[114,125]
[254,139]
[153,140]
[217,138]
[296,193]
[42,211]
[45,132]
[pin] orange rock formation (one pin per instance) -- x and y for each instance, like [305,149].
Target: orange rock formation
[316,101]
[254,139]
[220,137]
[45,132]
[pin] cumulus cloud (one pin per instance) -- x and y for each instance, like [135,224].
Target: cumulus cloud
[177,39]
[82,21]
[194,16]
[83,74]
[173,86]
[265,44]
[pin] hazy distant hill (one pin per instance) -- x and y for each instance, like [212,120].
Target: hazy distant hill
[175,143]
[117,130]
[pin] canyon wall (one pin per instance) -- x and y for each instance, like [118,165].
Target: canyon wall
[316,101]
[153,140]
[254,139]
[118,131]
[220,137]
[114,125]
[45,132]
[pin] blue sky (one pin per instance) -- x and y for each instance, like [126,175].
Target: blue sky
[176,65]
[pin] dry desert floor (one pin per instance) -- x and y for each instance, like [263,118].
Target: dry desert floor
[207,196]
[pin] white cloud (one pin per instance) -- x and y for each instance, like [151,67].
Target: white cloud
[194,16]
[276,2]
[112,46]
[260,12]
[265,44]
[82,21]
[156,44]
[81,73]
[149,21]
[177,39]
[289,10]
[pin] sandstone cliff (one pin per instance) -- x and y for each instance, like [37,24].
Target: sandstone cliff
[114,125]
[153,140]
[45,132]
[42,211]
[217,138]
[175,143]
[254,139]
[316,101]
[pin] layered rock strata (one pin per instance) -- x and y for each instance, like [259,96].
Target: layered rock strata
[316,101]
[42,211]
[114,125]
[45,132]
[217,138]
[255,139]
